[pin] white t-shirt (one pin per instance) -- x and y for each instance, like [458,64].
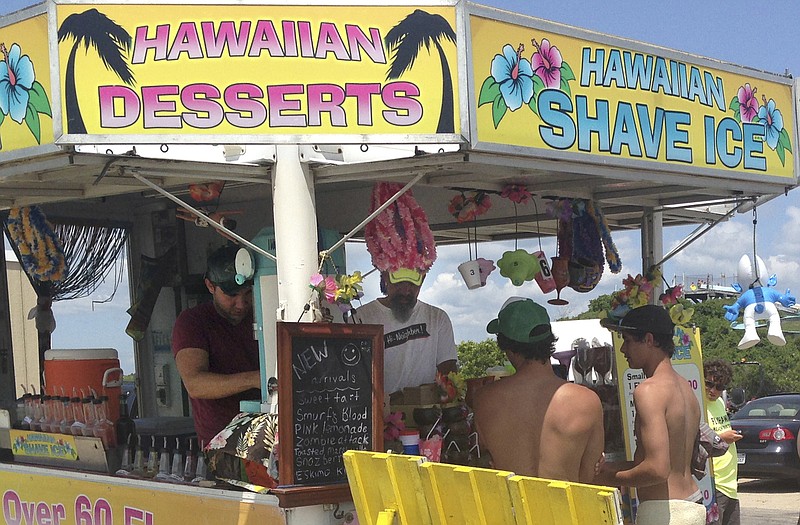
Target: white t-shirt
[412,349]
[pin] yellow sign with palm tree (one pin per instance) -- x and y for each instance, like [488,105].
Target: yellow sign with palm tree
[296,72]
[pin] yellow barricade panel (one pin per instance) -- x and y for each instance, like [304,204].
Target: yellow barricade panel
[437,483]
[388,484]
[531,500]
[408,490]
[486,501]
[545,502]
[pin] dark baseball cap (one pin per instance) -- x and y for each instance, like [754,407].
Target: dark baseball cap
[647,318]
[518,318]
[221,270]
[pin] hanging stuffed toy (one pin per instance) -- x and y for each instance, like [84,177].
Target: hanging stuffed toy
[758,302]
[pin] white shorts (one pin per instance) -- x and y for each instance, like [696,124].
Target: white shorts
[670,512]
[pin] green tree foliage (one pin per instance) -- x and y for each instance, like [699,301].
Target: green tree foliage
[474,358]
[760,370]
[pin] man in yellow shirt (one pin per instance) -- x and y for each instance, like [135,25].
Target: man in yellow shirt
[718,375]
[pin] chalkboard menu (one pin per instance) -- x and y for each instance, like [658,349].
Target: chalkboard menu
[330,398]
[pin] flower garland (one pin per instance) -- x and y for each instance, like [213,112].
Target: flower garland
[349,288]
[467,207]
[561,210]
[39,247]
[612,254]
[517,193]
[451,387]
[637,292]
[399,237]
[341,290]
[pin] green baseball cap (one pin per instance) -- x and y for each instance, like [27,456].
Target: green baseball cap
[517,318]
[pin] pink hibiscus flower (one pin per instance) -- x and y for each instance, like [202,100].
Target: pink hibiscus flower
[546,63]
[748,104]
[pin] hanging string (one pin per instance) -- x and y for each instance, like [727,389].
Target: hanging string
[516,227]
[469,243]
[755,253]
[538,233]
[475,227]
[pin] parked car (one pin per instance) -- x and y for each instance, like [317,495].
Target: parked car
[770,428]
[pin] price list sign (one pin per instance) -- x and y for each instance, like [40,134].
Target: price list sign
[330,398]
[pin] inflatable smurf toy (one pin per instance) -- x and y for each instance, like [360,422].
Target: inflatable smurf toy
[758,302]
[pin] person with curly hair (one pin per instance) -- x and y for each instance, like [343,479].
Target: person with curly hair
[718,374]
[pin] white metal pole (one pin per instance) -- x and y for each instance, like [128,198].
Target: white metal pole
[295,231]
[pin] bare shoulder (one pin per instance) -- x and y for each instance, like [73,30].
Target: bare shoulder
[577,399]
[653,392]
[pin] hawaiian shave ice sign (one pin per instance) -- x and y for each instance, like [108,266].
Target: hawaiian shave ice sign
[25,110]
[274,73]
[540,89]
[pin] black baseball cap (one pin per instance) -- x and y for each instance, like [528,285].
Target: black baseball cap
[647,318]
[221,270]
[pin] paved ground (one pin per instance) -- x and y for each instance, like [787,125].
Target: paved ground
[769,502]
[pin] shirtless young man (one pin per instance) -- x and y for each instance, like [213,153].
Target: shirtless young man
[667,421]
[534,423]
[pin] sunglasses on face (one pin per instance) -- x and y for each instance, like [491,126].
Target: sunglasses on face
[719,387]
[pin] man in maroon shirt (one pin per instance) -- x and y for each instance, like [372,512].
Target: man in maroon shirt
[215,349]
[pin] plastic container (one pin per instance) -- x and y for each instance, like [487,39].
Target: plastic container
[410,441]
[96,368]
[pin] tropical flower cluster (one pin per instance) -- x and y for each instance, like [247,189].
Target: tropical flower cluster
[392,426]
[637,292]
[517,193]
[516,81]
[39,247]
[341,290]
[671,295]
[466,207]
[22,97]
[746,108]
[399,237]
[451,387]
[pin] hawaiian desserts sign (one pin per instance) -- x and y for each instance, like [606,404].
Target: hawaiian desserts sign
[247,70]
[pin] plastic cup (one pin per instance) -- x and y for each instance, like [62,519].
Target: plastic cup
[471,273]
[410,441]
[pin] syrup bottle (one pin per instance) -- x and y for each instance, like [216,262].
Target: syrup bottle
[102,427]
[89,416]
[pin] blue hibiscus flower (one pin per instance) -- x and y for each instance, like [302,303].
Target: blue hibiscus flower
[16,78]
[772,119]
[515,77]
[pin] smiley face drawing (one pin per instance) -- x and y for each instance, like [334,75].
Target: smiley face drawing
[350,355]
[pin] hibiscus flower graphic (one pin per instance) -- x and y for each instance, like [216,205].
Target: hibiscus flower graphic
[516,81]
[745,108]
[22,97]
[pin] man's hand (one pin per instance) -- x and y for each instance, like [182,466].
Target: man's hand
[730,435]
[601,463]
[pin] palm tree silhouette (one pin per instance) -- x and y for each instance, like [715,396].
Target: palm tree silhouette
[407,37]
[108,39]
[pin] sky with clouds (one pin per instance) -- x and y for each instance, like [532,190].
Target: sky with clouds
[736,31]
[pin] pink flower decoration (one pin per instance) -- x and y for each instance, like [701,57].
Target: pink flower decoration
[466,208]
[546,63]
[516,193]
[486,267]
[748,103]
[392,426]
[325,285]
[399,237]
